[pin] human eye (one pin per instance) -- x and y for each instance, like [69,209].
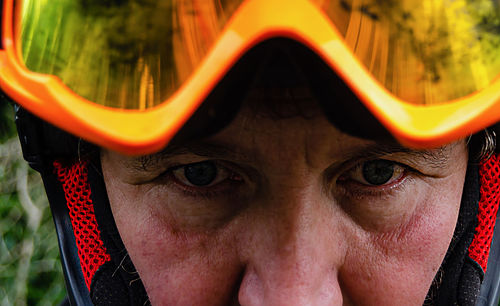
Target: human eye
[205,178]
[379,193]
[377,173]
[377,179]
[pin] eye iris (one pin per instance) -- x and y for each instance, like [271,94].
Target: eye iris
[200,174]
[378,172]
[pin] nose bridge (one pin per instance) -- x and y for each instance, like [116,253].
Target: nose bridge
[296,218]
[295,259]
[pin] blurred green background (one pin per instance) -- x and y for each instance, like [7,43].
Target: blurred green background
[30,271]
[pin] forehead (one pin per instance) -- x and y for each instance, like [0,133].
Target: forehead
[280,123]
[294,129]
[284,119]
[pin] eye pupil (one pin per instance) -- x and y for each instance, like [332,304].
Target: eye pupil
[378,172]
[201,174]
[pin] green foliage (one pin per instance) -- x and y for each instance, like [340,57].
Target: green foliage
[30,269]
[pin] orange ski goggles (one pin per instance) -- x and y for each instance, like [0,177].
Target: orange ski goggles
[128,74]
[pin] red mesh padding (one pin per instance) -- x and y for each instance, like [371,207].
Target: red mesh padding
[489,173]
[76,188]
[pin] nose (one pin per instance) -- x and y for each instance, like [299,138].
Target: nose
[293,250]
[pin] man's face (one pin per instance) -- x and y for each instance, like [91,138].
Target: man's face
[286,211]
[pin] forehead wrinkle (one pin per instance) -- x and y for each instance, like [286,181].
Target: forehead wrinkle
[216,149]
[436,158]
[209,149]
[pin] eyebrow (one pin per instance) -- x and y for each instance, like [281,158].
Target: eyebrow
[435,158]
[204,149]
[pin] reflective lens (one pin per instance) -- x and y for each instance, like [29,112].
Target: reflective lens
[135,54]
[423,51]
[130,54]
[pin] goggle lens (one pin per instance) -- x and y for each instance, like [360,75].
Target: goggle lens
[133,54]
[127,54]
[425,51]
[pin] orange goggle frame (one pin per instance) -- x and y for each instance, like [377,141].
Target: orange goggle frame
[147,131]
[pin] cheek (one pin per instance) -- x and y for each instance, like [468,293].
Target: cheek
[171,263]
[403,262]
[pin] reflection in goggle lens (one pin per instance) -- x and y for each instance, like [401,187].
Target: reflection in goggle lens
[129,54]
[135,54]
[426,51]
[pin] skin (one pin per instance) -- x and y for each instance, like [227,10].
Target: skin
[290,218]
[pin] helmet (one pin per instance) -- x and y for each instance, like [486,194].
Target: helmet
[133,76]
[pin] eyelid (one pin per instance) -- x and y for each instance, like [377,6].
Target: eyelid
[179,174]
[359,188]
[400,158]
[233,180]
[357,174]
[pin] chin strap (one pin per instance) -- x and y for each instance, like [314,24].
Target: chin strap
[458,281]
[490,197]
[490,289]
[95,264]
[78,293]
[91,250]
[116,282]
[105,275]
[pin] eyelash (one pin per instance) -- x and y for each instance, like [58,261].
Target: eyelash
[208,192]
[354,189]
[348,187]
